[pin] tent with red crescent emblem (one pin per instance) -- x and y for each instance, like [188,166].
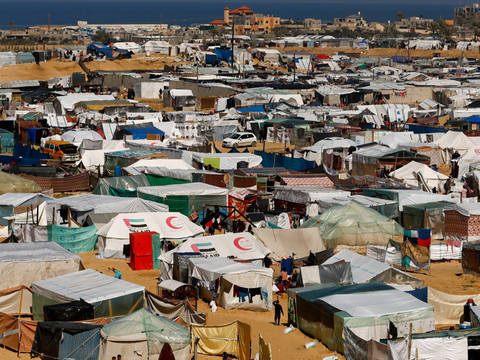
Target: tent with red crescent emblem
[243,246]
[113,237]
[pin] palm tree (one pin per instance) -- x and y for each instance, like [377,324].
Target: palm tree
[447,32]
[400,16]
[476,33]
[433,28]
[11,25]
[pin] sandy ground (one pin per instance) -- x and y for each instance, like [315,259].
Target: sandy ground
[54,68]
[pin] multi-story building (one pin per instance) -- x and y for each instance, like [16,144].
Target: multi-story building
[351,22]
[245,20]
[313,24]
[467,16]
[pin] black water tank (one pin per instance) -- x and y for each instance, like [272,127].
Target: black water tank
[242,165]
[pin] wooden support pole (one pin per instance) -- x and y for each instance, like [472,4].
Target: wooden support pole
[409,341]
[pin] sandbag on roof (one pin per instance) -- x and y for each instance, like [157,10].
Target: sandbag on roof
[287,241]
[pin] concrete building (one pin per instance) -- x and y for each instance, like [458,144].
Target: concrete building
[313,24]
[466,16]
[351,22]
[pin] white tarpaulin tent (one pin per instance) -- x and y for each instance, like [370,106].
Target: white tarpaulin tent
[76,136]
[110,296]
[83,204]
[243,246]
[149,90]
[288,241]
[254,283]
[165,163]
[142,335]
[171,225]
[443,347]
[10,201]
[455,141]
[25,263]
[408,175]
[199,189]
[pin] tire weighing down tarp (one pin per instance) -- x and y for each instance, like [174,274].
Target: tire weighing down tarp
[287,241]
[141,335]
[171,226]
[230,275]
[110,296]
[244,246]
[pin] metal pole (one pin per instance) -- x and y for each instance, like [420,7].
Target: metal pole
[197,339]
[294,68]
[233,37]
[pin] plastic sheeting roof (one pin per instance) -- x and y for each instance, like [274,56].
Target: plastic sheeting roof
[455,140]
[88,285]
[68,101]
[210,269]
[331,143]
[183,189]
[17,199]
[35,252]
[172,164]
[105,204]
[466,209]
[363,268]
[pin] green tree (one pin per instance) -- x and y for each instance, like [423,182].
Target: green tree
[102,36]
[447,32]
[432,28]
[11,25]
[400,16]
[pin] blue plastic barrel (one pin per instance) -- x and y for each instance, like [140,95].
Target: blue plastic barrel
[117,171]
[288,264]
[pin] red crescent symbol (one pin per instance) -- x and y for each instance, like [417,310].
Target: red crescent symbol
[236,242]
[169,222]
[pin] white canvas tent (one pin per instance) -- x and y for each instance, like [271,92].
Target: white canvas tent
[409,174]
[255,280]
[288,241]
[160,47]
[141,336]
[171,226]
[243,246]
[25,263]
[455,141]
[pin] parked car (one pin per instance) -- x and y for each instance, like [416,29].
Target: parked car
[61,150]
[240,139]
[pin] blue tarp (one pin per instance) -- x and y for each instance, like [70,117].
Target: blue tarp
[475,119]
[421,129]
[141,133]
[32,133]
[224,54]
[27,152]
[275,160]
[258,109]
[420,294]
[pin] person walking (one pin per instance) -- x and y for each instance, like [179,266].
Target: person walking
[278,311]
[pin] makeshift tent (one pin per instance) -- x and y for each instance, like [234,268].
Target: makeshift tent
[451,344]
[116,234]
[12,203]
[417,174]
[175,290]
[174,309]
[25,263]
[141,335]
[240,285]
[65,340]
[427,216]
[226,161]
[406,197]
[76,240]
[122,186]
[462,222]
[383,206]
[416,249]
[470,259]
[324,311]
[354,226]
[243,246]
[76,136]
[233,338]
[357,348]
[15,184]
[340,273]
[288,241]
[22,333]
[185,198]
[365,269]
[455,141]
[110,296]
[16,301]
[83,204]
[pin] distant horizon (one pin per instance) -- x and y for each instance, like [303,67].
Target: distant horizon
[187,12]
